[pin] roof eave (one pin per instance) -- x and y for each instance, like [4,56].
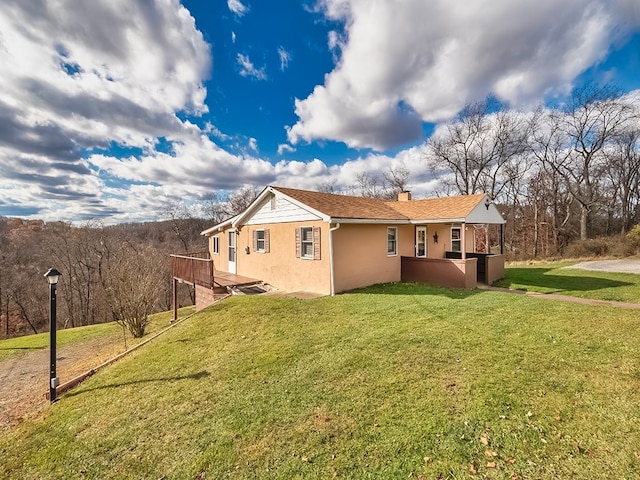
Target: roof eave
[395,221]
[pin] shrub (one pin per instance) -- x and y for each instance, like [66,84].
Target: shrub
[616,246]
[634,236]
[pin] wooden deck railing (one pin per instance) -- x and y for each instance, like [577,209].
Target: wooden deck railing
[193,268]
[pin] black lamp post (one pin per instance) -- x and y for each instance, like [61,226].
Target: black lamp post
[52,276]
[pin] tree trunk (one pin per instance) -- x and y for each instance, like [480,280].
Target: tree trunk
[584,221]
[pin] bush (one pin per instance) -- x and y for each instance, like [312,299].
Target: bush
[616,246]
[633,237]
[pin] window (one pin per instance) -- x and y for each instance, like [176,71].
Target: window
[456,242]
[306,236]
[215,245]
[308,243]
[392,241]
[261,240]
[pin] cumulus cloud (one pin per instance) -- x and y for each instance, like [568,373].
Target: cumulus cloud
[248,69]
[78,78]
[403,63]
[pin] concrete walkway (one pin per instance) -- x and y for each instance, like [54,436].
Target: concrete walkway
[562,298]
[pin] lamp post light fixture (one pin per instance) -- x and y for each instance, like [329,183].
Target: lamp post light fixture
[52,277]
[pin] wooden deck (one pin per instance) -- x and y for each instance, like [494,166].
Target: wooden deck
[226,279]
[198,269]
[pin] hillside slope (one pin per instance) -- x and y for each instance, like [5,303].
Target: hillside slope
[394,381]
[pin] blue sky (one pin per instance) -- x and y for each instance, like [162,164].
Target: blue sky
[115,110]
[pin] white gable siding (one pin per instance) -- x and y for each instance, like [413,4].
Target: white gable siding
[482,214]
[284,212]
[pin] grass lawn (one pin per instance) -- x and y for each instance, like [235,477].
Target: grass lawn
[393,381]
[18,345]
[560,278]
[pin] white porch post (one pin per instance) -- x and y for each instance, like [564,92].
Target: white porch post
[463,241]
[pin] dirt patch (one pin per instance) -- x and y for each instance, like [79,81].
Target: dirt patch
[621,266]
[25,377]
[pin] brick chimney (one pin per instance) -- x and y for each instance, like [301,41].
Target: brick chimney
[404,196]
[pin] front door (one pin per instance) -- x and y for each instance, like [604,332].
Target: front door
[421,242]
[232,252]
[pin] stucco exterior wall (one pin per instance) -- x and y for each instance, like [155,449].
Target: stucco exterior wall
[220,260]
[495,268]
[360,255]
[442,272]
[279,267]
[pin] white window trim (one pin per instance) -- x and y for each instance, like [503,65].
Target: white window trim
[264,241]
[458,240]
[395,242]
[302,242]
[215,245]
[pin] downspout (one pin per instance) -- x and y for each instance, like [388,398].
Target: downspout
[331,230]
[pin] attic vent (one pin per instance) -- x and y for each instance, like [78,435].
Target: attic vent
[273,202]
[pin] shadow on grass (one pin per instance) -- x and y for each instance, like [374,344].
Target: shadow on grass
[406,288]
[541,277]
[194,376]
[24,348]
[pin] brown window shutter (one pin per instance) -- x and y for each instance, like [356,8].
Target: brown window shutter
[316,243]
[298,243]
[255,240]
[267,243]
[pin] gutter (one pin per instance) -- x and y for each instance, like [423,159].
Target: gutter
[331,230]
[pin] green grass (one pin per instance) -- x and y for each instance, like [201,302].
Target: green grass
[555,277]
[393,381]
[18,345]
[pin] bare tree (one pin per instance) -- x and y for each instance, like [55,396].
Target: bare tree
[327,187]
[133,285]
[479,151]
[594,117]
[396,180]
[623,173]
[233,204]
[384,186]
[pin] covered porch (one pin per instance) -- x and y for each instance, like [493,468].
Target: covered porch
[199,270]
[472,255]
[453,272]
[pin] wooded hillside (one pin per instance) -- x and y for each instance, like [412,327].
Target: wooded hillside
[96,262]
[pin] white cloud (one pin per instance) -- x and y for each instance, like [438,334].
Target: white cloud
[253,144]
[285,58]
[285,147]
[104,73]
[248,69]
[403,63]
[215,131]
[237,7]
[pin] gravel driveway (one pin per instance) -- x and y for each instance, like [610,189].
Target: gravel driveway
[622,266]
[24,378]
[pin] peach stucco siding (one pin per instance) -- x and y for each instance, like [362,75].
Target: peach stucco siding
[359,251]
[279,267]
[360,255]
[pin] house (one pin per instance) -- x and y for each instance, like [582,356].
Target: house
[299,240]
